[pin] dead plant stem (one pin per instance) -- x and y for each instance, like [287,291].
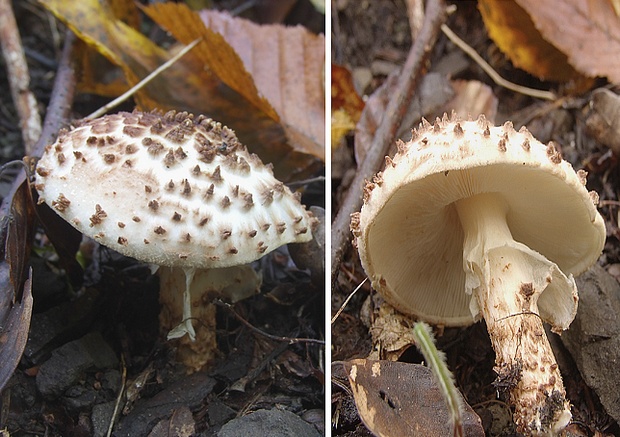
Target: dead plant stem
[19,77]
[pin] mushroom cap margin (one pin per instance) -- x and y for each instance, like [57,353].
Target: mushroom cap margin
[408,233]
[190,196]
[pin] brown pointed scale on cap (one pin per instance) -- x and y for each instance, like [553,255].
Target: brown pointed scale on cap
[474,221]
[188,193]
[158,187]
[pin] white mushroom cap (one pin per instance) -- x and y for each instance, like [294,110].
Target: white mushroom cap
[409,235]
[173,190]
[470,221]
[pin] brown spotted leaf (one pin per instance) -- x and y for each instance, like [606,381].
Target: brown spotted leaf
[397,399]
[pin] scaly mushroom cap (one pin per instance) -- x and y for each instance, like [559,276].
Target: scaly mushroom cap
[173,189]
[409,235]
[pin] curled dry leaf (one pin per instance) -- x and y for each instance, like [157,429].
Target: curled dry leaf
[15,280]
[398,399]
[518,36]
[346,104]
[587,32]
[392,333]
[186,85]
[278,69]
[122,45]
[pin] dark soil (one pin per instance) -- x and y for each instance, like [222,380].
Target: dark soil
[374,36]
[87,343]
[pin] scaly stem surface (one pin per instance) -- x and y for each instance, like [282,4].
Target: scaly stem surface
[507,279]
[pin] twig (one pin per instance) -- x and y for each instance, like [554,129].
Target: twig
[415,14]
[59,108]
[346,301]
[308,181]
[410,77]
[137,87]
[57,115]
[290,340]
[19,77]
[119,398]
[494,75]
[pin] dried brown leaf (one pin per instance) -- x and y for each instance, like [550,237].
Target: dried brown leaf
[15,279]
[514,32]
[472,98]
[399,399]
[587,32]
[14,323]
[277,69]
[287,65]
[603,118]
[214,52]
[20,234]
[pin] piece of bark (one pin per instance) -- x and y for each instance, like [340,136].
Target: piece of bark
[593,338]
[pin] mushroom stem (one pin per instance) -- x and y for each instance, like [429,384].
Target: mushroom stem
[185,327]
[507,279]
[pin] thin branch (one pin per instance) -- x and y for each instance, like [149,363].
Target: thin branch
[19,77]
[57,115]
[494,75]
[119,398]
[410,78]
[346,301]
[290,340]
[137,87]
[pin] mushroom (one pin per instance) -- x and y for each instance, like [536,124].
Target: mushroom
[172,190]
[230,284]
[472,221]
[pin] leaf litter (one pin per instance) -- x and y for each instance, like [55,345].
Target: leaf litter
[468,352]
[126,312]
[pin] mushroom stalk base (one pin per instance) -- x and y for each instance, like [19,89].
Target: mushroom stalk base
[507,279]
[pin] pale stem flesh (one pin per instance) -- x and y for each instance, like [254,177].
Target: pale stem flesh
[506,278]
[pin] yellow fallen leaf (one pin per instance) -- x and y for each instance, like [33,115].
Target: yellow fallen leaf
[122,45]
[586,31]
[97,74]
[187,85]
[341,125]
[514,32]
[275,68]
